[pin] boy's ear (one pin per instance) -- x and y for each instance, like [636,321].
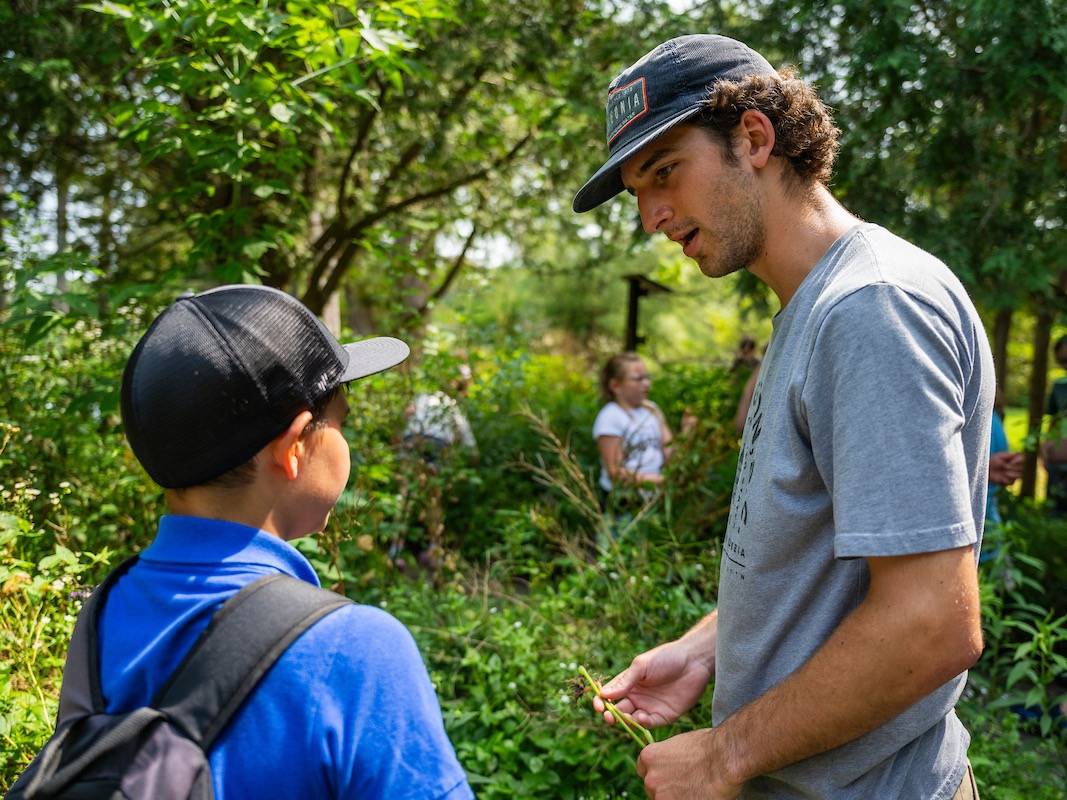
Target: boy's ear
[287,449]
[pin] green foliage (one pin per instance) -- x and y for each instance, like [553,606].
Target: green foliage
[1024,666]
[528,586]
[951,128]
[1009,763]
[41,598]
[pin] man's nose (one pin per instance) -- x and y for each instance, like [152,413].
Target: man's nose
[655,212]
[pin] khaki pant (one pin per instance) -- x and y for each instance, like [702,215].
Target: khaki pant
[968,789]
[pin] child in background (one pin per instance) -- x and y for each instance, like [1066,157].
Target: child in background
[631,432]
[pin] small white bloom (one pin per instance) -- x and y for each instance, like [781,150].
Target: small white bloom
[517,624]
[383,603]
[512,686]
[565,699]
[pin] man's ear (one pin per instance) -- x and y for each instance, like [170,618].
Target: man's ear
[757,136]
[287,449]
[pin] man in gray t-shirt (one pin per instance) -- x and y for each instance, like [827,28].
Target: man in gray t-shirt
[848,599]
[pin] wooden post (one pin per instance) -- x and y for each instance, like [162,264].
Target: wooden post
[639,286]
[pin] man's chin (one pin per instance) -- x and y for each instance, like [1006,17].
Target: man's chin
[714,269]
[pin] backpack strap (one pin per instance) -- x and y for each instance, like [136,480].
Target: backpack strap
[81,694]
[243,640]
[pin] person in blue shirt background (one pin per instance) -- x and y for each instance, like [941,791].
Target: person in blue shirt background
[233,402]
[1005,467]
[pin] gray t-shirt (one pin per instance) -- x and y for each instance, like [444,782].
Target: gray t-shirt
[868,435]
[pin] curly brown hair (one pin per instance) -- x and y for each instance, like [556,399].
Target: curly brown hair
[804,131]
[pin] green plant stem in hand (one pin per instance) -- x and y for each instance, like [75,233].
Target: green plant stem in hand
[638,732]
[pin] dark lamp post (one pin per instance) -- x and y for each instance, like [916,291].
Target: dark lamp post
[639,287]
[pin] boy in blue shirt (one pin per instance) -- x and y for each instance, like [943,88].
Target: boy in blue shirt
[233,402]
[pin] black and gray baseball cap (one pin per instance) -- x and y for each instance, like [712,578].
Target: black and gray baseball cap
[661,90]
[219,374]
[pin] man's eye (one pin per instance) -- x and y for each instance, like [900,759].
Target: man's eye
[664,171]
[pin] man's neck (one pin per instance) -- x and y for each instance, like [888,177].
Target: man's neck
[800,229]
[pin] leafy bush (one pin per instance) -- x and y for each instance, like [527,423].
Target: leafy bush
[533,579]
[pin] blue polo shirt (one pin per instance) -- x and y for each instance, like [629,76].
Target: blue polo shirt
[347,711]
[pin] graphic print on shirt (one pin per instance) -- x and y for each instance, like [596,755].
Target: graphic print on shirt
[733,548]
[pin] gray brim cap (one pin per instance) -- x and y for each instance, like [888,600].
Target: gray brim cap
[663,89]
[371,356]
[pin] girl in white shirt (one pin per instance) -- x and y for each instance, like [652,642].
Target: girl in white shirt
[631,431]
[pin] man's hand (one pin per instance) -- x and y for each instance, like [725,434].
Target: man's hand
[691,765]
[661,684]
[1005,468]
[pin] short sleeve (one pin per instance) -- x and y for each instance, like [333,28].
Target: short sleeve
[463,426]
[611,421]
[884,401]
[383,722]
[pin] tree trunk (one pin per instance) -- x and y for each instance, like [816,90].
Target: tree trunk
[331,314]
[1001,335]
[1038,385]
[106,248]
[62,223]
[360,317]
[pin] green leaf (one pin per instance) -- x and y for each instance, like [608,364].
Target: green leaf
[371,37]
[1016,673]
[281,112]
[254,250]
[111,9]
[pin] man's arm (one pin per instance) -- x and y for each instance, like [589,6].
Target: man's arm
[663,683]
[918,627]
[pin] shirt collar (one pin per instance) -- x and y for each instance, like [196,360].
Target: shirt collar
[198,540]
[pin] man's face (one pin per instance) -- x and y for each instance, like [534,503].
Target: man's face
[687,191]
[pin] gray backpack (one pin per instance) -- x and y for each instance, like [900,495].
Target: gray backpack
[160,751]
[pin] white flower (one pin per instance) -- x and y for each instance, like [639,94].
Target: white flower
[512,686]
[517,624]
[565,699]
[383,603]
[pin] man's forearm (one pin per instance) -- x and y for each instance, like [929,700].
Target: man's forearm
[879,661]
[701,640]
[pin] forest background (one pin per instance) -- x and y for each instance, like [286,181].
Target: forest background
[407,168]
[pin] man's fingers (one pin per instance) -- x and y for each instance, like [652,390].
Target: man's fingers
[644,719]
[622,683]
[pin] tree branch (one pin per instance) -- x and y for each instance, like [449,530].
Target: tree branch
[450,276]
